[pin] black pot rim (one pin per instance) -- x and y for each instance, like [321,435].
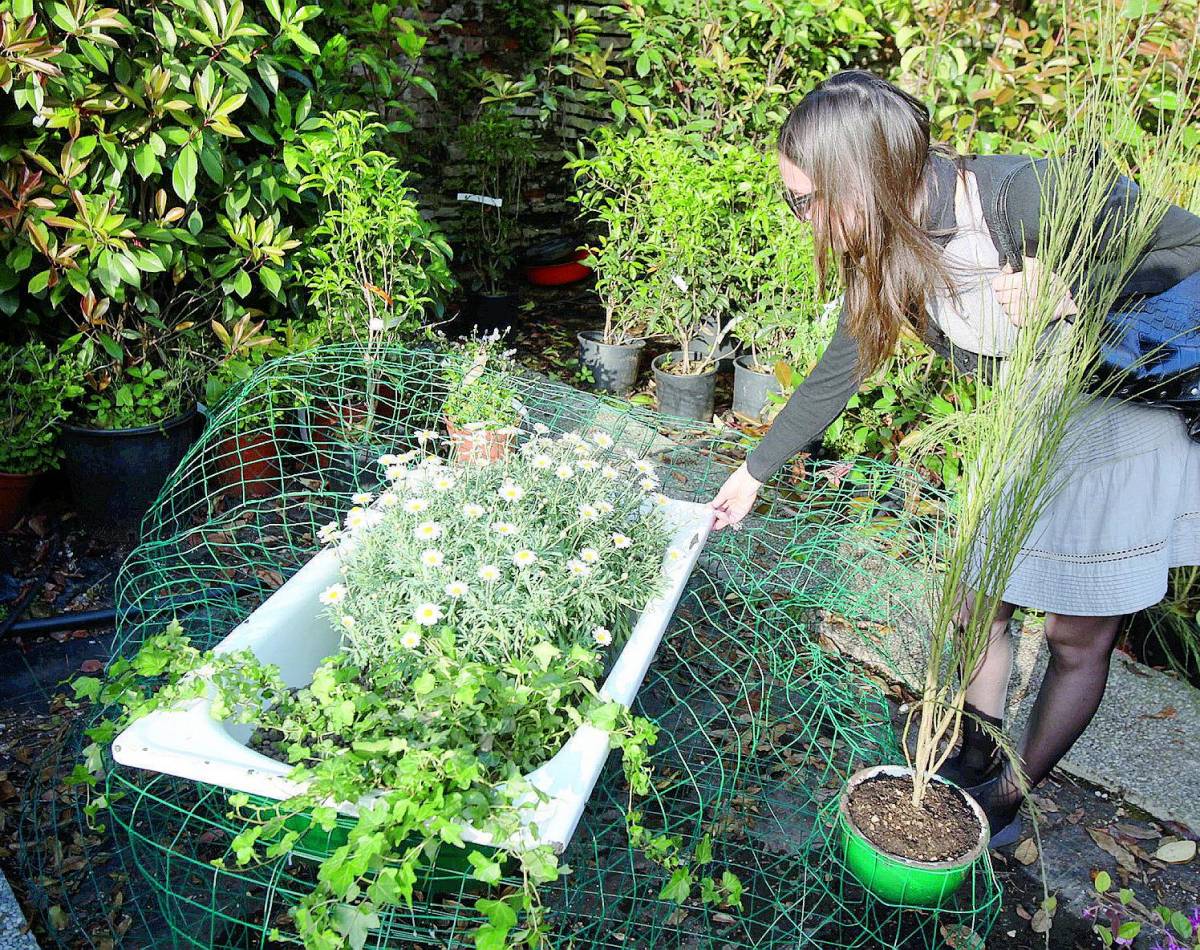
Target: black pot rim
[507,295]
[676,354]
[590,336]
[173,423]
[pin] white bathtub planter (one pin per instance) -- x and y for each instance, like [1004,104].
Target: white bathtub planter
[293,631]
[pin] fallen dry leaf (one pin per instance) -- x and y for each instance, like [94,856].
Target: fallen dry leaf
[1133,831]
[91,666]
[1106,843]
[962,937]
[1176,852]
[1167,712]
[1026,852]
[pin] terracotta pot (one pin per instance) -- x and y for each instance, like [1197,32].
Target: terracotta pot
[472,444]
[249,462]
[14,496]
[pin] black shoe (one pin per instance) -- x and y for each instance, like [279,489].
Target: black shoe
[967,774]
[1004,818]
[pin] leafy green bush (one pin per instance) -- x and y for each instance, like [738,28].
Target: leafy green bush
[139,196]
[478,395]
[373,265]
[35,388]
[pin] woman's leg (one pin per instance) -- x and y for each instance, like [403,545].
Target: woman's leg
[1069,696]
[986,696]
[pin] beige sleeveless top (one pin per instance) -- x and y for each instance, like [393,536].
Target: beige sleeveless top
[972,319]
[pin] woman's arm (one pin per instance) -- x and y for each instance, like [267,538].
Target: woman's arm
[1173,253]
[814,405]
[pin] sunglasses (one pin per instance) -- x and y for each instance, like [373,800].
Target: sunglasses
[801,205]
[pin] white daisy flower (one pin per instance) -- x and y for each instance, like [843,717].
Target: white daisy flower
[603,439]
[388,459]
[542,462]
[431,461]
[610,473]
[648,484]
[414,506]
[329,532]
[455,589]
[409,456]
[588,512]
[443,482]
[674,555]
[583,449]
[489,573]
[388,499]
[661,499]
[473,511]
[541,428]
[604,507]
[577,568]
[356,518]
[432,557]
[396,472]
[511,491]
[410,640]
[621,540]
[427,531]
[426,435]
[571,438]
[524,558]
[564,472]
[334,594]
[362,498]
[427,614]
[587,465]
[589,555]
[602,635]
[505,529]
[643,466]
[348,622]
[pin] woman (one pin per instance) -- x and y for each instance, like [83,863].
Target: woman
[920,236]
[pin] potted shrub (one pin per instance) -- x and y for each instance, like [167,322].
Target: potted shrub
[924,834]
[481,410]
[421,672]
[141,220]
[35,387]
[497,153]
[609,193]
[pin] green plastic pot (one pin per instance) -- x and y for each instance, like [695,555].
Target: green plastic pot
[897,880]
[448,872]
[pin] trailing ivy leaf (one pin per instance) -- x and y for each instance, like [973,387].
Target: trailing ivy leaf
[678,888]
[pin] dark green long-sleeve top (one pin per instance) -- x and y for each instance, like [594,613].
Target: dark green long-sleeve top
[1010,191]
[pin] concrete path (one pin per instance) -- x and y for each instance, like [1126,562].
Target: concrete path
[14,934]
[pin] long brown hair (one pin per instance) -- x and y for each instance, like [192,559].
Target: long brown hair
[865,145]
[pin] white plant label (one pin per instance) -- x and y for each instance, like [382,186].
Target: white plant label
[680,282]
[481,199]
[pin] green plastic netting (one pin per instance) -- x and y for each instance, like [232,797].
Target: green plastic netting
[762,714]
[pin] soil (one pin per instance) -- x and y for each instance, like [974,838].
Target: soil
[943,828]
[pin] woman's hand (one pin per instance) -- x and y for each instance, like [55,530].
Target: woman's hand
[735,499]
[1018,293]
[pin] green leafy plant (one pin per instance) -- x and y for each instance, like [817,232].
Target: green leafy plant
[143,395]
[430,724]
[36,388]
[478,396]
[1118,919]
[498,153]
[135,204]
[373,266]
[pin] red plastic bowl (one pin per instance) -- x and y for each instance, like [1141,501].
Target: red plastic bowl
[555,275]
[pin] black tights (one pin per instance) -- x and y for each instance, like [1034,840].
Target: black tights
[1077,674]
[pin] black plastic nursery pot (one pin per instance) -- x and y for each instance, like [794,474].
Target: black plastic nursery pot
[896,880]
[752,388]
[492,312]
[688,397]
[614,366]
[115,474]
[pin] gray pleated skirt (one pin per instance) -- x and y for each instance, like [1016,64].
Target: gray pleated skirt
[1128,510]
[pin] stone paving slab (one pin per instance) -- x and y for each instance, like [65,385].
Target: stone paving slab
[14,933]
